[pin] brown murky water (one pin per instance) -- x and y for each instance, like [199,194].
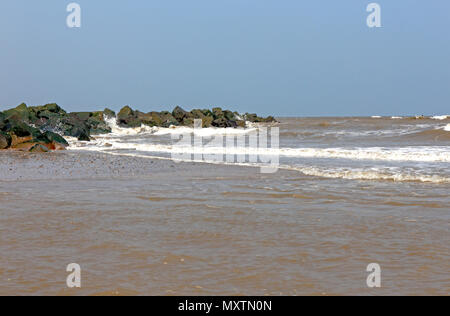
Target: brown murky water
[144,226]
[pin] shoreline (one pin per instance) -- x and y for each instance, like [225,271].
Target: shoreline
[84,165]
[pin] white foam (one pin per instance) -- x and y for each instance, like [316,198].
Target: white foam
[336,173]
[447,128]
[396,117]
[372,174]
[441,117]
[417,154]
[376,117]
[210,131]
[117,131]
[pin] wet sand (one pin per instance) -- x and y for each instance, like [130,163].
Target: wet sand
[155,227]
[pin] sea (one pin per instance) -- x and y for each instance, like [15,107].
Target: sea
[303,209]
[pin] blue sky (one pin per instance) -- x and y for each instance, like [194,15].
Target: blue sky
[287,57]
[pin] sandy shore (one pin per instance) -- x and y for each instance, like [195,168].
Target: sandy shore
[62,165]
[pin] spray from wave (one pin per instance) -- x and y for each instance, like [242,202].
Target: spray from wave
[117,131]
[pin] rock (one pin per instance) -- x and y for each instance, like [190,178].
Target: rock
[256,119]
[144,118]
[20,113]
[217,113]
[38,148]
[109,113]
[82,116]
[167,119]
[179,114]
[80,134]
[207,121]
[97,124]
[188,122]
[241,124]
[55,138]
[157,119]
[270,119]
[51,108]
[229,115]
[5,140]
[223,122]
[128,118]
[2,120]
[125,114]
[198,114]
[26,127]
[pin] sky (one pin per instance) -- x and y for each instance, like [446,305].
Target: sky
[283,58]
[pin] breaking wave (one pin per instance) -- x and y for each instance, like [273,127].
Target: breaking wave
[117,131]
[415,154]
[441,117]
[360,174]
[416,163]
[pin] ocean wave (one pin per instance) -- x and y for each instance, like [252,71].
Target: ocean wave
[417,154]
[205,132]
[441,117]
[436,134]
[117,131]
[359,174]
[372,174]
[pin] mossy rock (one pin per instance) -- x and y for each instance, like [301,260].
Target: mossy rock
[128,118]
[39,148]
[217,113]
[100,129]
[241,124]
[51,107]
[82,116]
[188,122]
[125,113]
[197,114]
[207,112]
[207,121]
[179,114]
[109,113]
[53,137]
[20,129]
[229,115]
[168,119]
[20,113]
[5,140]
[220,122]
[2,121]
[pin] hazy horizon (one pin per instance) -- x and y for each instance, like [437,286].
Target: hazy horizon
[297,60]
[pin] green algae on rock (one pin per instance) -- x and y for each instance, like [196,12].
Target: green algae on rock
[42,128]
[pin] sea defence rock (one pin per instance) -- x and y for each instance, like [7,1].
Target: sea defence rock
[53,118]
[42,128]
[23,128]
[19,135]
[216,117]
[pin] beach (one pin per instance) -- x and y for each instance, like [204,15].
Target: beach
[145,225]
